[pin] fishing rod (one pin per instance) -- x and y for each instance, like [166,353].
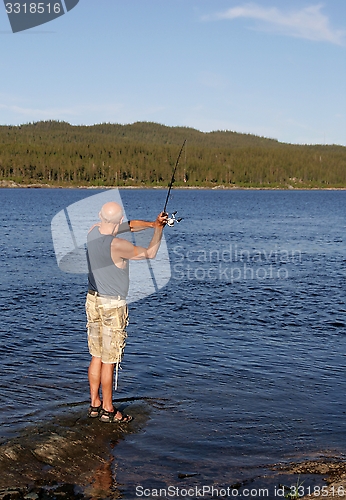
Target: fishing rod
[172,219]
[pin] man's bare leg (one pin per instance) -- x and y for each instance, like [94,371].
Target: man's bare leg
[107,376]
[94,374]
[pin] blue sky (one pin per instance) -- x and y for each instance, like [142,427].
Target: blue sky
[274,68]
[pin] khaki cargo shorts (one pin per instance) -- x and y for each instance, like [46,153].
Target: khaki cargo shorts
[107,321]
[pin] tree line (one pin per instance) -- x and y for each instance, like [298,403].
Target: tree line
[144,154]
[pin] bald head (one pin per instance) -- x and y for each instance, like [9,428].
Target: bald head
[111,213]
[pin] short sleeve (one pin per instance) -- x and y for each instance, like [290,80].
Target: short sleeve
[124,227]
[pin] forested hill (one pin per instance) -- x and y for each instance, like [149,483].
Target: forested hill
[144,154]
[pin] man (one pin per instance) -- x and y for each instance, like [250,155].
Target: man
[106,307]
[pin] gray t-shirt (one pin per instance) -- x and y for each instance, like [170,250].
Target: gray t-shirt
[104,276]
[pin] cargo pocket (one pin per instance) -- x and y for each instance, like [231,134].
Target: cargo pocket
[93,327]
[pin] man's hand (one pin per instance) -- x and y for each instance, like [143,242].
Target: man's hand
[161,220]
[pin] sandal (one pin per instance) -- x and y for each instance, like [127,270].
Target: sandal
[110,417]
[94,411]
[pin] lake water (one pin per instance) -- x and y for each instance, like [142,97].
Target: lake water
[237,363]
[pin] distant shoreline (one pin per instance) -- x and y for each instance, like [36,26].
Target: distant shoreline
[15,185]
[145,154]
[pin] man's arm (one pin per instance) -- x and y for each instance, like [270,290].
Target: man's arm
[134,225]
[122,249]
[139,225]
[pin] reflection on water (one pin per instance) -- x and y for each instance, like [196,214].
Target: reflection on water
[241,356]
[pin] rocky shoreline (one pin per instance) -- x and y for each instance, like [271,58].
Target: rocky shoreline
[102,486]
[15,185]
[73,457]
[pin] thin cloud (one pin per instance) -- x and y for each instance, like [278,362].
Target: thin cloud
[57,113]
[309,23]
[34,112]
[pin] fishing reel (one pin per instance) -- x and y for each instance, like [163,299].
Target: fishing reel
[172,219]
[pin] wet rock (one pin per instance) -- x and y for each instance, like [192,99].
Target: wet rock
[10,494]
[333,471]
[11,452]
[63,491]
[31,496]
[183,475]
[60,459]
[55,449]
